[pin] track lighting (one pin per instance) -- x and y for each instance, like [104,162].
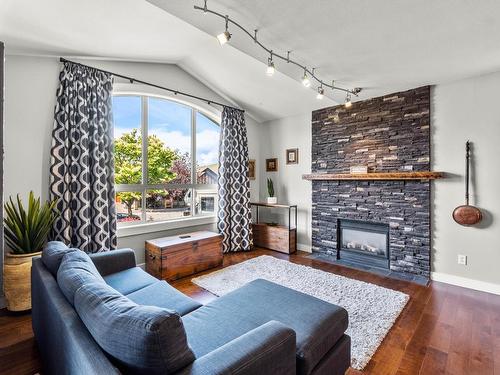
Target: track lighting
[305,80]
[321,93]
[224,37]
[309,75]
[348,102]
[270,66]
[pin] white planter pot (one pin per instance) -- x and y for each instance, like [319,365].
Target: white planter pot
[272,200]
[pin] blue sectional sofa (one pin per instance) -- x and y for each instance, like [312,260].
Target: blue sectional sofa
[103,315]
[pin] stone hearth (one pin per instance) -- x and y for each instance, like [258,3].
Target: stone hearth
[389,133]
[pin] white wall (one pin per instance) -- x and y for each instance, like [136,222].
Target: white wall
[290,188]
[30,89]
[463,110]
[467,109]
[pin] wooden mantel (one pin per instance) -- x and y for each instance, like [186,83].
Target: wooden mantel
[425,175]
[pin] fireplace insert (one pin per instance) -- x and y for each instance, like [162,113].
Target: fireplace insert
[363,243]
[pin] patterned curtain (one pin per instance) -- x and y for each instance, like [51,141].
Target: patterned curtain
[82,167]
[234,185]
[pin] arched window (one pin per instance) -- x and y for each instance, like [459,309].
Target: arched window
[166,160]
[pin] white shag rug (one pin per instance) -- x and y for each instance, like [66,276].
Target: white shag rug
[372,309]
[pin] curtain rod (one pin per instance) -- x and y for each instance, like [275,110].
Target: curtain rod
[135,80]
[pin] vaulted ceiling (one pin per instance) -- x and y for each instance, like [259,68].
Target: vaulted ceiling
[380,45]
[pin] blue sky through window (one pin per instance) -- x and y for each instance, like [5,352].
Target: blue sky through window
[207,140]
[126,114]
[171,122]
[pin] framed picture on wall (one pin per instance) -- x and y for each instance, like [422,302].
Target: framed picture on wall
[272,165]
[292,156]
[251,169]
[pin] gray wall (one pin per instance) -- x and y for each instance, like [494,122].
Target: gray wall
[31,84]
[466,109]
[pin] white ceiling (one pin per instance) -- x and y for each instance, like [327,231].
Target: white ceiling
[380,45]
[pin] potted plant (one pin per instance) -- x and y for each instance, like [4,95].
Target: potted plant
[271,199]
[26,232]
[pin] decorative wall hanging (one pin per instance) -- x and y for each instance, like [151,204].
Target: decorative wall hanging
[251,169]
[272,165]
[466,214]
[292,156]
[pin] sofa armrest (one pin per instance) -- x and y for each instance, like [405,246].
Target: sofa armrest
[109,262]
[265,350]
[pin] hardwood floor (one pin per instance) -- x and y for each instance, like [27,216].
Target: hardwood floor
[442,330]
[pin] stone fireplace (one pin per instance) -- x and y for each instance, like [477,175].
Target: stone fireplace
[385,134]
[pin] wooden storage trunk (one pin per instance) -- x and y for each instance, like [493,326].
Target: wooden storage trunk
[170,258]
[275,237]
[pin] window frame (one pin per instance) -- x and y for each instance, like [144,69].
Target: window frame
[145,226]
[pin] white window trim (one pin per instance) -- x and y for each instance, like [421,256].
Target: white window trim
[151,227]
[144,228]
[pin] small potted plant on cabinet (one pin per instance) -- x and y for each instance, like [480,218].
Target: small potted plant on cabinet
[26,232]
[271,199]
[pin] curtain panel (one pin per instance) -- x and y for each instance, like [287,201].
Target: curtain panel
[82,167]
[234,215]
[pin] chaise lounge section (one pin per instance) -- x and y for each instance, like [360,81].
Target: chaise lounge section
[261,328]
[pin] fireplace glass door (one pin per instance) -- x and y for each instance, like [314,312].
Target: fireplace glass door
[363,242]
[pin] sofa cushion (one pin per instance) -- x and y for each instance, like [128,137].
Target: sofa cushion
[76,269]
[318,324]
[161,294]
[144,339]
[52,255]
[130,280]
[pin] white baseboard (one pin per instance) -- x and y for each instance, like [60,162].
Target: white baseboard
[142,265]
[465,282]
[304,247]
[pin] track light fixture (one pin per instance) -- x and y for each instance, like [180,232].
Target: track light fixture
[348,102]
[309,75]
[305,79]
[224,37]
[270,66]
[321,92]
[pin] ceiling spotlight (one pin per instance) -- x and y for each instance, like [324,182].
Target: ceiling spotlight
[348,102]
[270,66]
[321,92]
[224,37]
[305,80]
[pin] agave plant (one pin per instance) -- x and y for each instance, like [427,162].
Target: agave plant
[27,231]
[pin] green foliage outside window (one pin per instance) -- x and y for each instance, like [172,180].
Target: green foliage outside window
[164,165]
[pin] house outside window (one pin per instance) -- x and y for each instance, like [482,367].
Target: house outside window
[166,160]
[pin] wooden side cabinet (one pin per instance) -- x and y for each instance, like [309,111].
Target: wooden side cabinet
[170,258]
[279,238]
[282,238]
